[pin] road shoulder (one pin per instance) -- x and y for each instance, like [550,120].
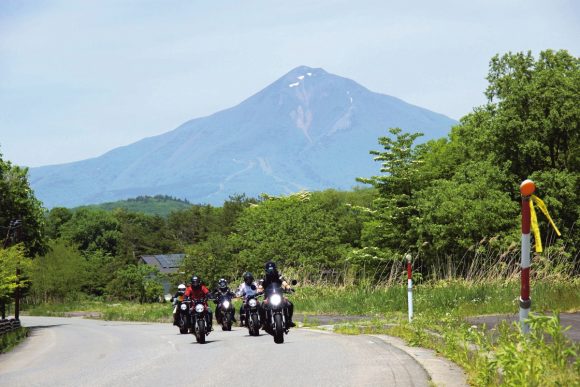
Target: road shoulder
[442,372]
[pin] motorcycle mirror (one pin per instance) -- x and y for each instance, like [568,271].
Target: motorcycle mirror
[294,282]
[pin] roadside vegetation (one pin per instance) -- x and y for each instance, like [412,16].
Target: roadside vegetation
[452,203]
[12,339]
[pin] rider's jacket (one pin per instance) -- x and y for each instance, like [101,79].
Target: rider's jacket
[217,293]
[275,278]
[177,298]
[196,294]
[246,290]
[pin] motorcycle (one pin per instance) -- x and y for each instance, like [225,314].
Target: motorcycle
[252,314]
[275,312]
[224,313]
[199,316]
[184,319]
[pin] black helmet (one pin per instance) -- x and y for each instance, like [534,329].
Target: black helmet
[248,278]
[270,267]
[195,282]
[222,284]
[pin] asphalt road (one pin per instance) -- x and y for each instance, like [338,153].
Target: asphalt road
[79,352]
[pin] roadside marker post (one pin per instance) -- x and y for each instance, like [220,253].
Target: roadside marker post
[530,221]
[527,188]
[409,286]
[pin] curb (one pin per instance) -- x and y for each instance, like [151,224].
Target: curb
[442,372]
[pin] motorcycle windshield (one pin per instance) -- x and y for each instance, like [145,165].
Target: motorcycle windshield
[273,289]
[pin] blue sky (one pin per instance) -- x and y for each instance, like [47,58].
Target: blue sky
[79,78]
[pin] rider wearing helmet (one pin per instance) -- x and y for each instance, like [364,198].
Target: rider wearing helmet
[273,276]
[244,290]
[177,298]
[222,290]
[196,291]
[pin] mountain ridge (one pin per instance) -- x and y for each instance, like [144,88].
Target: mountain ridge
[309,129]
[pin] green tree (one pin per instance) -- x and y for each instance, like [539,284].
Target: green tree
[56,218]
[11,259]
[294,231]
[91,230]
[456,214]
[534,111]
[141,234]
[193,225]
[140,283]
[396,188]
[17,202]
[58,275]
[210,260]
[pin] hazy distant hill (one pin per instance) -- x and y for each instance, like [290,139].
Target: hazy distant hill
[152,205]
[307,130]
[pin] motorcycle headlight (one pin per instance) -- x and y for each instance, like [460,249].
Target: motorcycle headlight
[199,308]
[275,299]
[226,304]
[183,307]
[252,303]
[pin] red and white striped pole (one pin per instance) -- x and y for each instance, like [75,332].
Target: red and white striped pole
[409,286]
[527,188]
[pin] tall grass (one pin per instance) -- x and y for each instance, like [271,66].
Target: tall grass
[11,339]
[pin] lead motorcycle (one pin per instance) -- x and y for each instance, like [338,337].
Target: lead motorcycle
[201,323]
[224,313]
[275,311]
[184,319]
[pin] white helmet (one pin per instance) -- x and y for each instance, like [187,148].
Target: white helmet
[181,289]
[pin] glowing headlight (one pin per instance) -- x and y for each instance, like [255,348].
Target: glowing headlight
[183,307]
[252,303]
[199,308]
[276,299]
[226,304]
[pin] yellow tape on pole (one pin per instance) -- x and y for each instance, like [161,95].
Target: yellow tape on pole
[535,228]
[544,209]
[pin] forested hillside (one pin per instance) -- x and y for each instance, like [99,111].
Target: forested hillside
[452,203]
[161,205]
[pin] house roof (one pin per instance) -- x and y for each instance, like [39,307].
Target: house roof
[167,263]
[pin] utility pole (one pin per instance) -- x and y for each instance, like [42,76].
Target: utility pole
[11,238]
[16,227]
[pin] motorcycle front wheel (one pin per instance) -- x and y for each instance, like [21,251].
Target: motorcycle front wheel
[254,326]
[278,329]
[200,331]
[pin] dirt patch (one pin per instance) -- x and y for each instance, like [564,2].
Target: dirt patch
[327,319]
[83,314]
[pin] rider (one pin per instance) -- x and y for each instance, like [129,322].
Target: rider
[177,298]
[222,290]
[272,276]
[198,291]
[244,290]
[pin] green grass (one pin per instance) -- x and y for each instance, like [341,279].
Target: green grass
[459,298]
[503,356]
[11,339]
[117,311]
[113,311]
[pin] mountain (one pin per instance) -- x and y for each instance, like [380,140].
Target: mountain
[308,130]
